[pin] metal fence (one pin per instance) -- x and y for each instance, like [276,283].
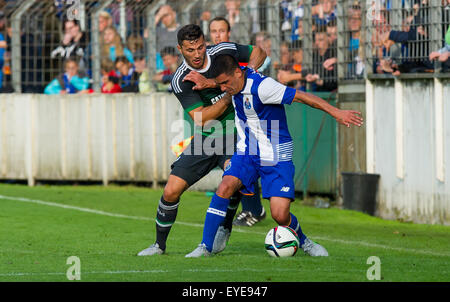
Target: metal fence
[407,37]
[311,44]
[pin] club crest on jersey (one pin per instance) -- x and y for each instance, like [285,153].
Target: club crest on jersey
[247,103]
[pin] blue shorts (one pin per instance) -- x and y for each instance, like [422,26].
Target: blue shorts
[276,181]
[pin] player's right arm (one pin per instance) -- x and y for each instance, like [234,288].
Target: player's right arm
[253,55]
[193,104]
[202,115]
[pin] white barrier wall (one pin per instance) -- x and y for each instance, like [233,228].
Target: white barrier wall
[408,144]
[92,137]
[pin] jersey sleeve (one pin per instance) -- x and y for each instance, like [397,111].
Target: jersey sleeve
[244,52]
[188,98]
[273,92]
[240,52]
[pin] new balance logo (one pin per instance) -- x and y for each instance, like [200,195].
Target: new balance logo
[285,189]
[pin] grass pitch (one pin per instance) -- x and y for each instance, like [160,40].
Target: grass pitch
[106,226]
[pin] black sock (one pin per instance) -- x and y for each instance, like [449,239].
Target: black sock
[165,218]
[231,210]
[252,203]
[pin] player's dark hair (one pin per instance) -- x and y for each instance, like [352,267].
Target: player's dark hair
[224,64]
[190,32]
[220,19]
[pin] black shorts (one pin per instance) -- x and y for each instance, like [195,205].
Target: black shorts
[202,155]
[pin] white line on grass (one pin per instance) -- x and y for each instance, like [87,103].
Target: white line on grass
[155,272]
[271,270]
[234,270]
[99,212]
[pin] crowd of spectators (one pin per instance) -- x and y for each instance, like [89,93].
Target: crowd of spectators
[407,48]
[320,73]
[306,53]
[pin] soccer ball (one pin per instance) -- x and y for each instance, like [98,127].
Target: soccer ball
[282,241]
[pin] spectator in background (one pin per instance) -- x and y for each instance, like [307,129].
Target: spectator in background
[145,83]
[70,82]
[286,9]
[324,12]
[292,19]
[285,62]
[219,30]
[171,61]
[114,10]
[166,31]
[414,40]
[298,32]
[262,40]
[443,54]
[113,47]
[322,79]
[129,77]
[239,31]
[356,66]
[104,21]
[110,79]
[331,28]
[31,73]
[136,44]
[332,32]
[296,76]
[73,44]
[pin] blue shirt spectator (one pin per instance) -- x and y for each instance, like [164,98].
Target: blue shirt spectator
[70,82]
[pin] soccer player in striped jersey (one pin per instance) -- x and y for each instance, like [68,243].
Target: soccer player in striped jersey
[213,115]
[252,208]
[264,148]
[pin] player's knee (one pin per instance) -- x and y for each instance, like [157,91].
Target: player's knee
[280,216]
[226,189]
[171,193]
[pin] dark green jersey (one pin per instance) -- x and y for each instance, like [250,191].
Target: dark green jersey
[192,99]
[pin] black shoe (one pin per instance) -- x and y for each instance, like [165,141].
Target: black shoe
[246,218]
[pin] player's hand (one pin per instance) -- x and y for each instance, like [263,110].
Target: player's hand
[349,117]
[200,81]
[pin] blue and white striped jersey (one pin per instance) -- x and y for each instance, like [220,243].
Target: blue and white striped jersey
[261,119]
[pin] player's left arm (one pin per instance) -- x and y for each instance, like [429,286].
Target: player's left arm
[344,117]
[273,92]
[253,55]
[257,57]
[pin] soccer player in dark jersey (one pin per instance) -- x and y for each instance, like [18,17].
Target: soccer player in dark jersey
[214,136]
